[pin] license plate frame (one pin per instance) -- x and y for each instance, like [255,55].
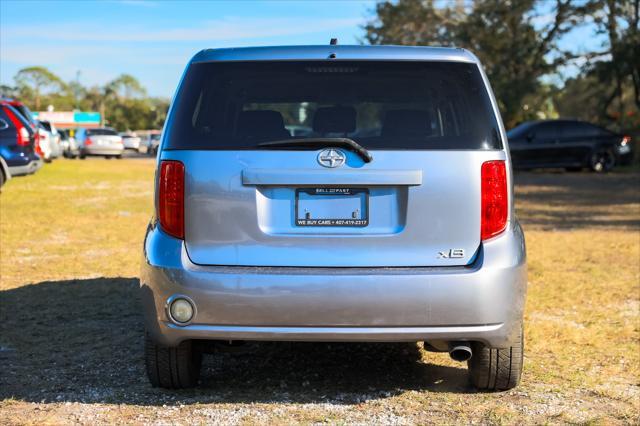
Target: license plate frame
[319,192]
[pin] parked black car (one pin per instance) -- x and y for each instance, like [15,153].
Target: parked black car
[570,144]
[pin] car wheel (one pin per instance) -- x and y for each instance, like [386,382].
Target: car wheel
[602,161]
[119,157]
[172,367]
[2,179]
[82,157]
[107,157]
[496,369]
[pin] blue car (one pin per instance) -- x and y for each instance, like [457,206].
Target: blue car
[390,218]
[17,145]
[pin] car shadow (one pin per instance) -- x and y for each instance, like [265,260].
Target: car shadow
[82,341]
[561,200]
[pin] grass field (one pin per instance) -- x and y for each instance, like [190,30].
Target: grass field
[71,328]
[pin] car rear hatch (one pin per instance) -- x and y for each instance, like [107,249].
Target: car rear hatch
[104,138]
[254,196]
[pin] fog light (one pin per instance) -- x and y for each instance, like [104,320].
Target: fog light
[181,310]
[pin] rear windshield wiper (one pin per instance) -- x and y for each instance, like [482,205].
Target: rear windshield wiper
[311,142]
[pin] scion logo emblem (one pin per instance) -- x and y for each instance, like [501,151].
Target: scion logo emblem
[331,158]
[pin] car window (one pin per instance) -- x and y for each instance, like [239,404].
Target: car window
[521,130]
[578,129]
[25,112]
[380,105]
[18,116]
[101,132]
[6,122]
[549,130]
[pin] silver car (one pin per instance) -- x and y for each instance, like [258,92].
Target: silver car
[131,141]
[104,142]
[53,137]
[68,143]
[391,220]
[152,143]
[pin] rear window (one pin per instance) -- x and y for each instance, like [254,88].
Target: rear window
[380,105]
[16,113]
[521,130]
[101,132]
[26,112]
[577,129]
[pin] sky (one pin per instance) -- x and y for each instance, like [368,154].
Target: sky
[152,40]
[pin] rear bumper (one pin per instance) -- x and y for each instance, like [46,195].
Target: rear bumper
[625,158]
[27,169]
[101,151]
[132,145]
[483,302]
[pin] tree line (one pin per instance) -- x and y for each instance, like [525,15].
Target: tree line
[520,45]
[123,102]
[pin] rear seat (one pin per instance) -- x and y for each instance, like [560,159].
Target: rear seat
[262,125]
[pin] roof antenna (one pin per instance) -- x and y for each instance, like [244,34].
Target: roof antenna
[333,41]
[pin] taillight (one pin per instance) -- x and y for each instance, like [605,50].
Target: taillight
[626,140]
[171,198]
[88,141]
[495,203]
[37,144]
[21,129]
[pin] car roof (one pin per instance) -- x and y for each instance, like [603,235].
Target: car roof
[11,101]
[340,52]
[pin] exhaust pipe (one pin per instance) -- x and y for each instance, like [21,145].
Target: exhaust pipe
[460,351]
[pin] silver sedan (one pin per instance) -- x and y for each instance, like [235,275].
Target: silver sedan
[102,141]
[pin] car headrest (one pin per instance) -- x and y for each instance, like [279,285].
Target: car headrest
[406,123]
[261,124]
[337,119]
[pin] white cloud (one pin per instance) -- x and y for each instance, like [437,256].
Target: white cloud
[157,54]
[33,53]
[225,29]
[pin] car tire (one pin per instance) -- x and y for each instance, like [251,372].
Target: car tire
[172,367]
[119,157]
[3,179]
[602,161]
[496,369]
